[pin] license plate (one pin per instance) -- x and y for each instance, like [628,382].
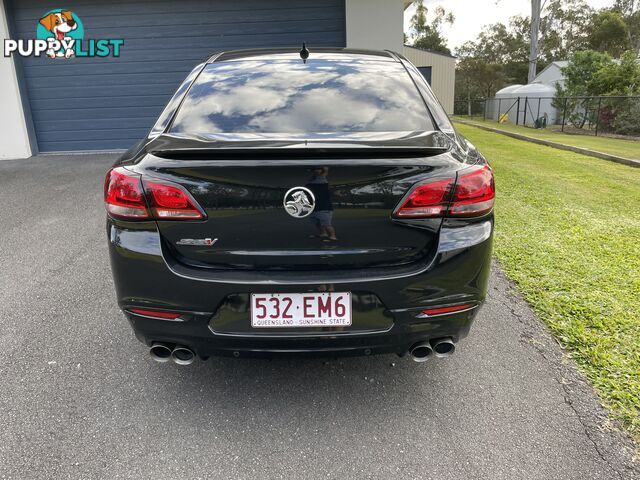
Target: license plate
[278,310]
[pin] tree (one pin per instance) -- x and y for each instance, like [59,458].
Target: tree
[580,72]
[427,35]
[630,12]
[633,24]
[617,78]
[504,45]
[564,29]
[476,78]
[626,7]
[609,33]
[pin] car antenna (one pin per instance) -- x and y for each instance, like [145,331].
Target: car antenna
[304,53]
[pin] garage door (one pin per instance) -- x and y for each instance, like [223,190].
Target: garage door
[110,103]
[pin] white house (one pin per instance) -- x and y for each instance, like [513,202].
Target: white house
[552,73]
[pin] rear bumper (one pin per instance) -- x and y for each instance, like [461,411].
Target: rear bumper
[196,335]
[146,277]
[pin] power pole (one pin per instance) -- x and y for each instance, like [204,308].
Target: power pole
[535,28]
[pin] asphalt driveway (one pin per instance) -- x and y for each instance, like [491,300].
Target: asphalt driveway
[80,397]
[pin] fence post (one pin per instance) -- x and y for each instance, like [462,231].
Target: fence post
[564,113]
[538,113]
[484,114]
[526,104]
[499,109]
[598,114]
[518,111]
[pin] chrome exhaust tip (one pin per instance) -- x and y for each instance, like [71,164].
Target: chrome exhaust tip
[182,355]
[421,352]
[161,352]
[443,347]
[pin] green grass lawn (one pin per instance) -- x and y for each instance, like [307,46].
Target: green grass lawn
[568,235]
[623,148]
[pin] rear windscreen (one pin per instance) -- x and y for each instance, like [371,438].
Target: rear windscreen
[288,96]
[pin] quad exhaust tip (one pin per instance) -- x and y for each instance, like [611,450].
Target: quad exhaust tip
[421,352]
[443,347]
[163,352]
[182,355]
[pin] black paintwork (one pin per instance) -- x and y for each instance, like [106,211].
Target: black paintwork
[394,268]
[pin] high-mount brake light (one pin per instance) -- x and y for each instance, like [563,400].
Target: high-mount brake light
[171,202]
[124,196]
[471,195]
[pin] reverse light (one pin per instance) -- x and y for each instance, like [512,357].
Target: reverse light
[155,313]
[170,201]
[124,196]
[472,194]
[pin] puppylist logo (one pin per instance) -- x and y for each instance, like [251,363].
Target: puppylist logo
[60,34]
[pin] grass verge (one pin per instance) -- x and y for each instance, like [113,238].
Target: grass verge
[568,235]
[613,146]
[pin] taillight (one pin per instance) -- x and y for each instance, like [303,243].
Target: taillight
[474,194]
[471,195]
[427,200]
[170,201]
[124,196]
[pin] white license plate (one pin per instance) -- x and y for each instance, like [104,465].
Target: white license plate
[278,310]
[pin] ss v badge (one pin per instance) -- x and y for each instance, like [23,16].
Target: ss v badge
[200,242]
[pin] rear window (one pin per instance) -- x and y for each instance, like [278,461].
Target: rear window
[287,96]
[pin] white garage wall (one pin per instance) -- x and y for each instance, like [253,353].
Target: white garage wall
[14,139]
[375,24]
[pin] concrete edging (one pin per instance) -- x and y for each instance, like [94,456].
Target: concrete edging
[561,146]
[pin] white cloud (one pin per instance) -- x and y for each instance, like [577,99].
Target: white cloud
[292,97]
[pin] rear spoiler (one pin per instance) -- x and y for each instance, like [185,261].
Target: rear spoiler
[297,153]
[424,144]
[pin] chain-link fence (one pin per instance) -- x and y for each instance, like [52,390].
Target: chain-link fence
[471,108]
[588,115]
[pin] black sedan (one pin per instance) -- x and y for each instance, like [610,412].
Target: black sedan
[295,202]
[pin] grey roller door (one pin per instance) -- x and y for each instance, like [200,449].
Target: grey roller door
[110,103]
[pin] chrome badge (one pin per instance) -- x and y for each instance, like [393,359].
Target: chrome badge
[299,202]
[202,242]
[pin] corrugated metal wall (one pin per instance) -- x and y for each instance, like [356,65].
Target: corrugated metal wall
[443,73]
[110,103]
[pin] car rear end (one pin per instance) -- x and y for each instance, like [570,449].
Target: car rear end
[289,207]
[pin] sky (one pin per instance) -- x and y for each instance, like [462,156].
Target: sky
[472,15]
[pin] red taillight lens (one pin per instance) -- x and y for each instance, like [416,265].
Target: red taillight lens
[155,313]
[427,200]
[474,194]
[471,195]
[172,202]
[124,196]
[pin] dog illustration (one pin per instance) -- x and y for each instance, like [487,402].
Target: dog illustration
[59,24]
